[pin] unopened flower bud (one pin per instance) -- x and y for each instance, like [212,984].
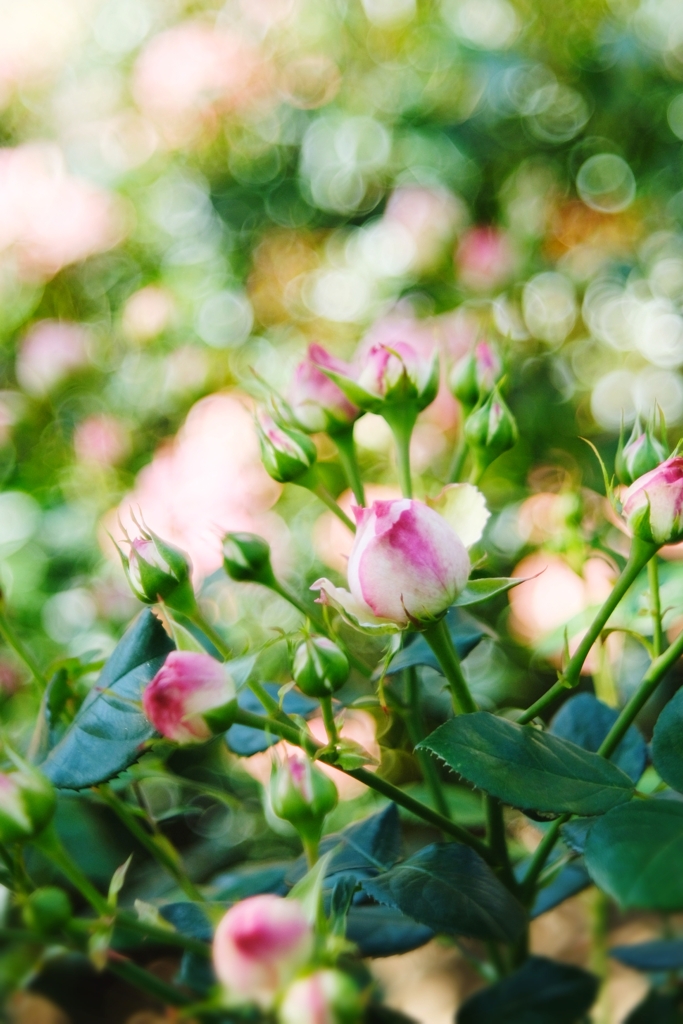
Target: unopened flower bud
[303,795]
[475,375]
[27,803]
[490,430]
[326,997]
[317,403]
[286,453]
[246,558]
[259,946]
[398,372]
[46,910]
[191,698]
[641,453]
[158,571]
[320,668]
[653,505]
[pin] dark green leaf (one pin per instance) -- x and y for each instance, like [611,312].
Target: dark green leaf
[465,632]
[251,880]
[656,1008]
[110,729]
[635,853]
[572,879]
[189,919]
[384,931]
[575,833]
[540,992]
[245,741]
[659,955]
[586,721]
[527,768]
[449,888]
[482,590]
[363,848]
[376,1014]
[667,743]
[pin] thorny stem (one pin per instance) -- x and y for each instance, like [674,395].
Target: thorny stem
[440,641]
[347,456]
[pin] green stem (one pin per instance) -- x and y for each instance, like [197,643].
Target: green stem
[304,740]
[402,418]
[168,859]
[416,731]
[656,606]
[495,834]
[312,482]
[641,553]
[541,854]
[147,982]
[439,639]
[311,849]
[347,456]
[162,936]
[13,641]
[458,460]
[328,719]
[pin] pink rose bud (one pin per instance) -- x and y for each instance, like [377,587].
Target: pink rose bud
[326,997]
[287,453]
[259,946]
[641,453]
[389,375]
[27,803]
[474,376]
[653,505]
[316,401]
[157,571]
[303,795]
[407,566]
[191,697]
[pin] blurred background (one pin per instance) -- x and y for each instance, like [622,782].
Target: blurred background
[190,193]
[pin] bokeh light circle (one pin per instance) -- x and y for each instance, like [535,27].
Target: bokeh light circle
[606,183]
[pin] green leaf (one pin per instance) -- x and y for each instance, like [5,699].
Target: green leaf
[110,729]
[658,955]
[362,848]
[635,853]
[449,888]
[667,743]
[481,590]
[586,721]
[540,992]
[527,768]
[465,632]
[384,931]
[572,879]
[117,882]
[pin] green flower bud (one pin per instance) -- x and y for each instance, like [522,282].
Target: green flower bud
[27,803]
[246,557]
[157,571]
[286,453]
[320,668]
[303,795]
[490,430]
[47,910]
[475,375]
[641,453]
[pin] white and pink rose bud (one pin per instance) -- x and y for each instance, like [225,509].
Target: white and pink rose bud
[157,571]
[326,997]
[408,563]
[653,505]
[317,403]
[191,698]
[287,453]
[389,375]
[259,946]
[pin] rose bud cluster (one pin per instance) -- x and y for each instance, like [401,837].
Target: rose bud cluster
[642,453]
[317,403]
[406,568]
[474,376]
[258,948]
[490,431]
[157,571]
[390,375]
[653,505]
[27,804]
[326,997]
[319,667]
[287,453]
[303,795]
[191,698]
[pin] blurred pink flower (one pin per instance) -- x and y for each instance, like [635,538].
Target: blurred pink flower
[48,218]
[192,70]
[206,481]
[147,313]
[101,440]
[484,258]
[49,352]
[430,215]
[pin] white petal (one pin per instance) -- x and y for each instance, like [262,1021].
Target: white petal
[355,612]
[463,506]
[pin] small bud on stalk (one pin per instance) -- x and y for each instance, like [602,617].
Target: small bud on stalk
[474,376]
[191,698]
[642,453]
[259,946]
[326,997]
[157,571]
[246,558]
[320,668]
[27,804]
[303,795]
[287,453]
[490,431]
[46,910]
[317,403]
[389,375]
[653,505]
